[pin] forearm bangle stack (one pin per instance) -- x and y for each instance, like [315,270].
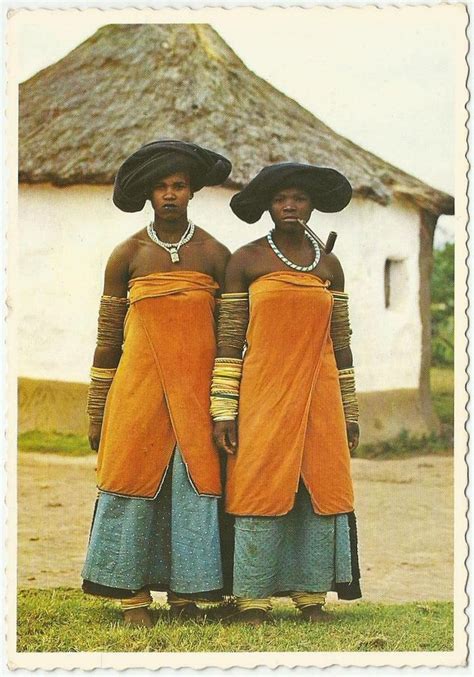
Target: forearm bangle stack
[340,325]
[225,388]
[112,313]
[101,380]
[348,394]
[233,320]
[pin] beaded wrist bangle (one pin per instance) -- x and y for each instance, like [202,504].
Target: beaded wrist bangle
[101,380]
[225,387]
[340,326]
[348,394]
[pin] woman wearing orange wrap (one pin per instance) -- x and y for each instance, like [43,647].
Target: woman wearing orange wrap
[288,476]
[156,525]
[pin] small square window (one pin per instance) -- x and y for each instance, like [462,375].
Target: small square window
[395,282]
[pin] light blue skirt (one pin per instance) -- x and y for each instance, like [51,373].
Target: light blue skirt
[168,543]
[297,552]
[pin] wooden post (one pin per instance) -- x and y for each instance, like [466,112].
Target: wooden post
[427,229]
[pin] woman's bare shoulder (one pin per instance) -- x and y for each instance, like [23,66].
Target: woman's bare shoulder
[129,245]
[212,243]
[249,251]
[240,269]
[336,271]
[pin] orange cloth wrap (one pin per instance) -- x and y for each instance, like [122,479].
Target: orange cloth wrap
[291,419]
[160,393]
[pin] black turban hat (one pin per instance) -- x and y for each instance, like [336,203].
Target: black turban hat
[139,174]
[328,189]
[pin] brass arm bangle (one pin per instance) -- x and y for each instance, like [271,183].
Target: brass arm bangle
[101,380]
[348,394]
[340,325]
[225,386]
[112,313]
[233,320]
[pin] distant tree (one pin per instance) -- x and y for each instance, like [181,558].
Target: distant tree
[442,306]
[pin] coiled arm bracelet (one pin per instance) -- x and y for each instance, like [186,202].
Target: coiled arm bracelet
[340,326]
[112,313]
[341,339]
[233,321]
[348,394]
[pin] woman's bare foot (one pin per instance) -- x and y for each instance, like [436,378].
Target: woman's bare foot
[189,612]
[140,617]
[222,611]
[315,614]
[249,617]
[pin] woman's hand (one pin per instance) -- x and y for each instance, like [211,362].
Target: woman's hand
[225,436]
[353,433]
[95,430]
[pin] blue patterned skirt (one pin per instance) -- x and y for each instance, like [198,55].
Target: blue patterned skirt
[297,552]
[170,542]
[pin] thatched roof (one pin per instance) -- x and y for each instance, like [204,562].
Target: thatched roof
[133,83]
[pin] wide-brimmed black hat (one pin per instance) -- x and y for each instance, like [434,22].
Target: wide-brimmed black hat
[140,172]
[328,189]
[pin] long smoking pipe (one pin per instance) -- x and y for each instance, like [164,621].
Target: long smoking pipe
[328,247]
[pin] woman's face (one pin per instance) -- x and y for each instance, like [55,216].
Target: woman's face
[171,195]
[288,205]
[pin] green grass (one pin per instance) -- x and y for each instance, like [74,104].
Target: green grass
[67,620]
[54,443]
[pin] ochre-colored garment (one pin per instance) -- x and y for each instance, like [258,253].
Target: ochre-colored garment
[160,393]
[291,419]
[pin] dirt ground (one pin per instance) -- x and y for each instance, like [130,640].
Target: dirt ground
[404,512]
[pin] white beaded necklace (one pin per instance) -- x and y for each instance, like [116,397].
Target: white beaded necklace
[290,264]
[171,247]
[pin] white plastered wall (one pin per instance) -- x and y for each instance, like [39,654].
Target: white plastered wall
[68,233]
[386,342]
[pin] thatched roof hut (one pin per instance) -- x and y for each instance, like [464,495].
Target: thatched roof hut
[123,87]
[130,84]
